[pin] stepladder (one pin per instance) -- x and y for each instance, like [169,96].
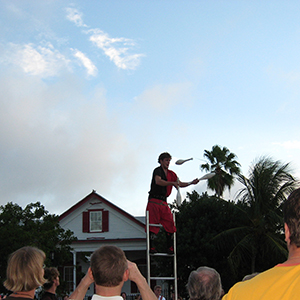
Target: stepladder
[151,259]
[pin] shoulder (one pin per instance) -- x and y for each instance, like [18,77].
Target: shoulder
[158,170]
[172,175]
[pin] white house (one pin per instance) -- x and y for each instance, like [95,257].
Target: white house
[95,222]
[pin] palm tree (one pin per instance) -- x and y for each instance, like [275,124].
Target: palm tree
[259,243]
[223,163]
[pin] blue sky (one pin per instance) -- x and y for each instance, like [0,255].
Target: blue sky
[93,91]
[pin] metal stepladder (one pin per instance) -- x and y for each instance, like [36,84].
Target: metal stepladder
[151,255]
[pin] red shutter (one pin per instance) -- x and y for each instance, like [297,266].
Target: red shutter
[85,221]
[104,220]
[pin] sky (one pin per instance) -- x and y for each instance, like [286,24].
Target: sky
[93,91]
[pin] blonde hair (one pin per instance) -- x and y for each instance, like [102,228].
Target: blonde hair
[25,269]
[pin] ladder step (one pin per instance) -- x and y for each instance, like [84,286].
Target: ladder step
[163,278]
[161,254]
[155,225]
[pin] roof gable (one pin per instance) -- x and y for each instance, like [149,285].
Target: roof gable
[94,195]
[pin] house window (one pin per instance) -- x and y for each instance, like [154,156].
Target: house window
[95,220]
[68,277]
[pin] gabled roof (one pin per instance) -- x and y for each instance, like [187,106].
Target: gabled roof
[93,195]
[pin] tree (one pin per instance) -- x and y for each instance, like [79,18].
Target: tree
[223,163]
[33,226]
[198,220]
[259,242]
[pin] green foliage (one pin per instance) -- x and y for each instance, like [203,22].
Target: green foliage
[198,220]
[32,226]
[223,163]
[259,244]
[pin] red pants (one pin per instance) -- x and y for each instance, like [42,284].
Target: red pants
[160,213]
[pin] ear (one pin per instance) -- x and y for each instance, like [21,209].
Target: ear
[126,275]
[287,233]
[90,273]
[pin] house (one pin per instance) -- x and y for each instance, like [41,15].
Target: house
[96,221]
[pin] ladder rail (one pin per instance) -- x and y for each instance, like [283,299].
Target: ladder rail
[149,255]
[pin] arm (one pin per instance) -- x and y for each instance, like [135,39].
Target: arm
[185,184]
[82,287]
[162,182]
[137,277]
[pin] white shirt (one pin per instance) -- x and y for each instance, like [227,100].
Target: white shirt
[98,297]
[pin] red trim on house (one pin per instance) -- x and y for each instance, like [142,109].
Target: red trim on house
[92,195]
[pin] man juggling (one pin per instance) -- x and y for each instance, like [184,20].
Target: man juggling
[162,182]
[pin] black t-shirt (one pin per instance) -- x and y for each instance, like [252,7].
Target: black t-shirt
[158,191]
[49,296]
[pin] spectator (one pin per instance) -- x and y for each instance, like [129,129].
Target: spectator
[24,273]
[109,270]
[205,284]
[250,276]
[282,281]
[157,292]
[124,296]
[50,286]
[137,297]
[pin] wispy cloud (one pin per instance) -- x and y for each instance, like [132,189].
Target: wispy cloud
[87,63]
[116,49]
[75,16]
[43,61]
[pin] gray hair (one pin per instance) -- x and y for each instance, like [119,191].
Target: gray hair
[204,284]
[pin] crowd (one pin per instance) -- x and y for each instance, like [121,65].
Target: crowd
[109,269]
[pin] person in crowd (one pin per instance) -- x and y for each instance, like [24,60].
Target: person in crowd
[205,284]
[250,276]
[137,297]
[124,296]
[173,296]
[109,270]
[157,291]
[162,182]
[282,281]
[50,286]
[24,273]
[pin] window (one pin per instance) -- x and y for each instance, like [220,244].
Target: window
[95,221]
[68,278]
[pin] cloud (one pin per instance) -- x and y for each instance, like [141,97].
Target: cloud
[75,16]
[87,63]
[162,97]
[55,142]
[42,61]
[116,49]
[290,144]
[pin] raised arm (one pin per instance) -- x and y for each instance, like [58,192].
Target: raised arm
[136,276]
[82,287]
